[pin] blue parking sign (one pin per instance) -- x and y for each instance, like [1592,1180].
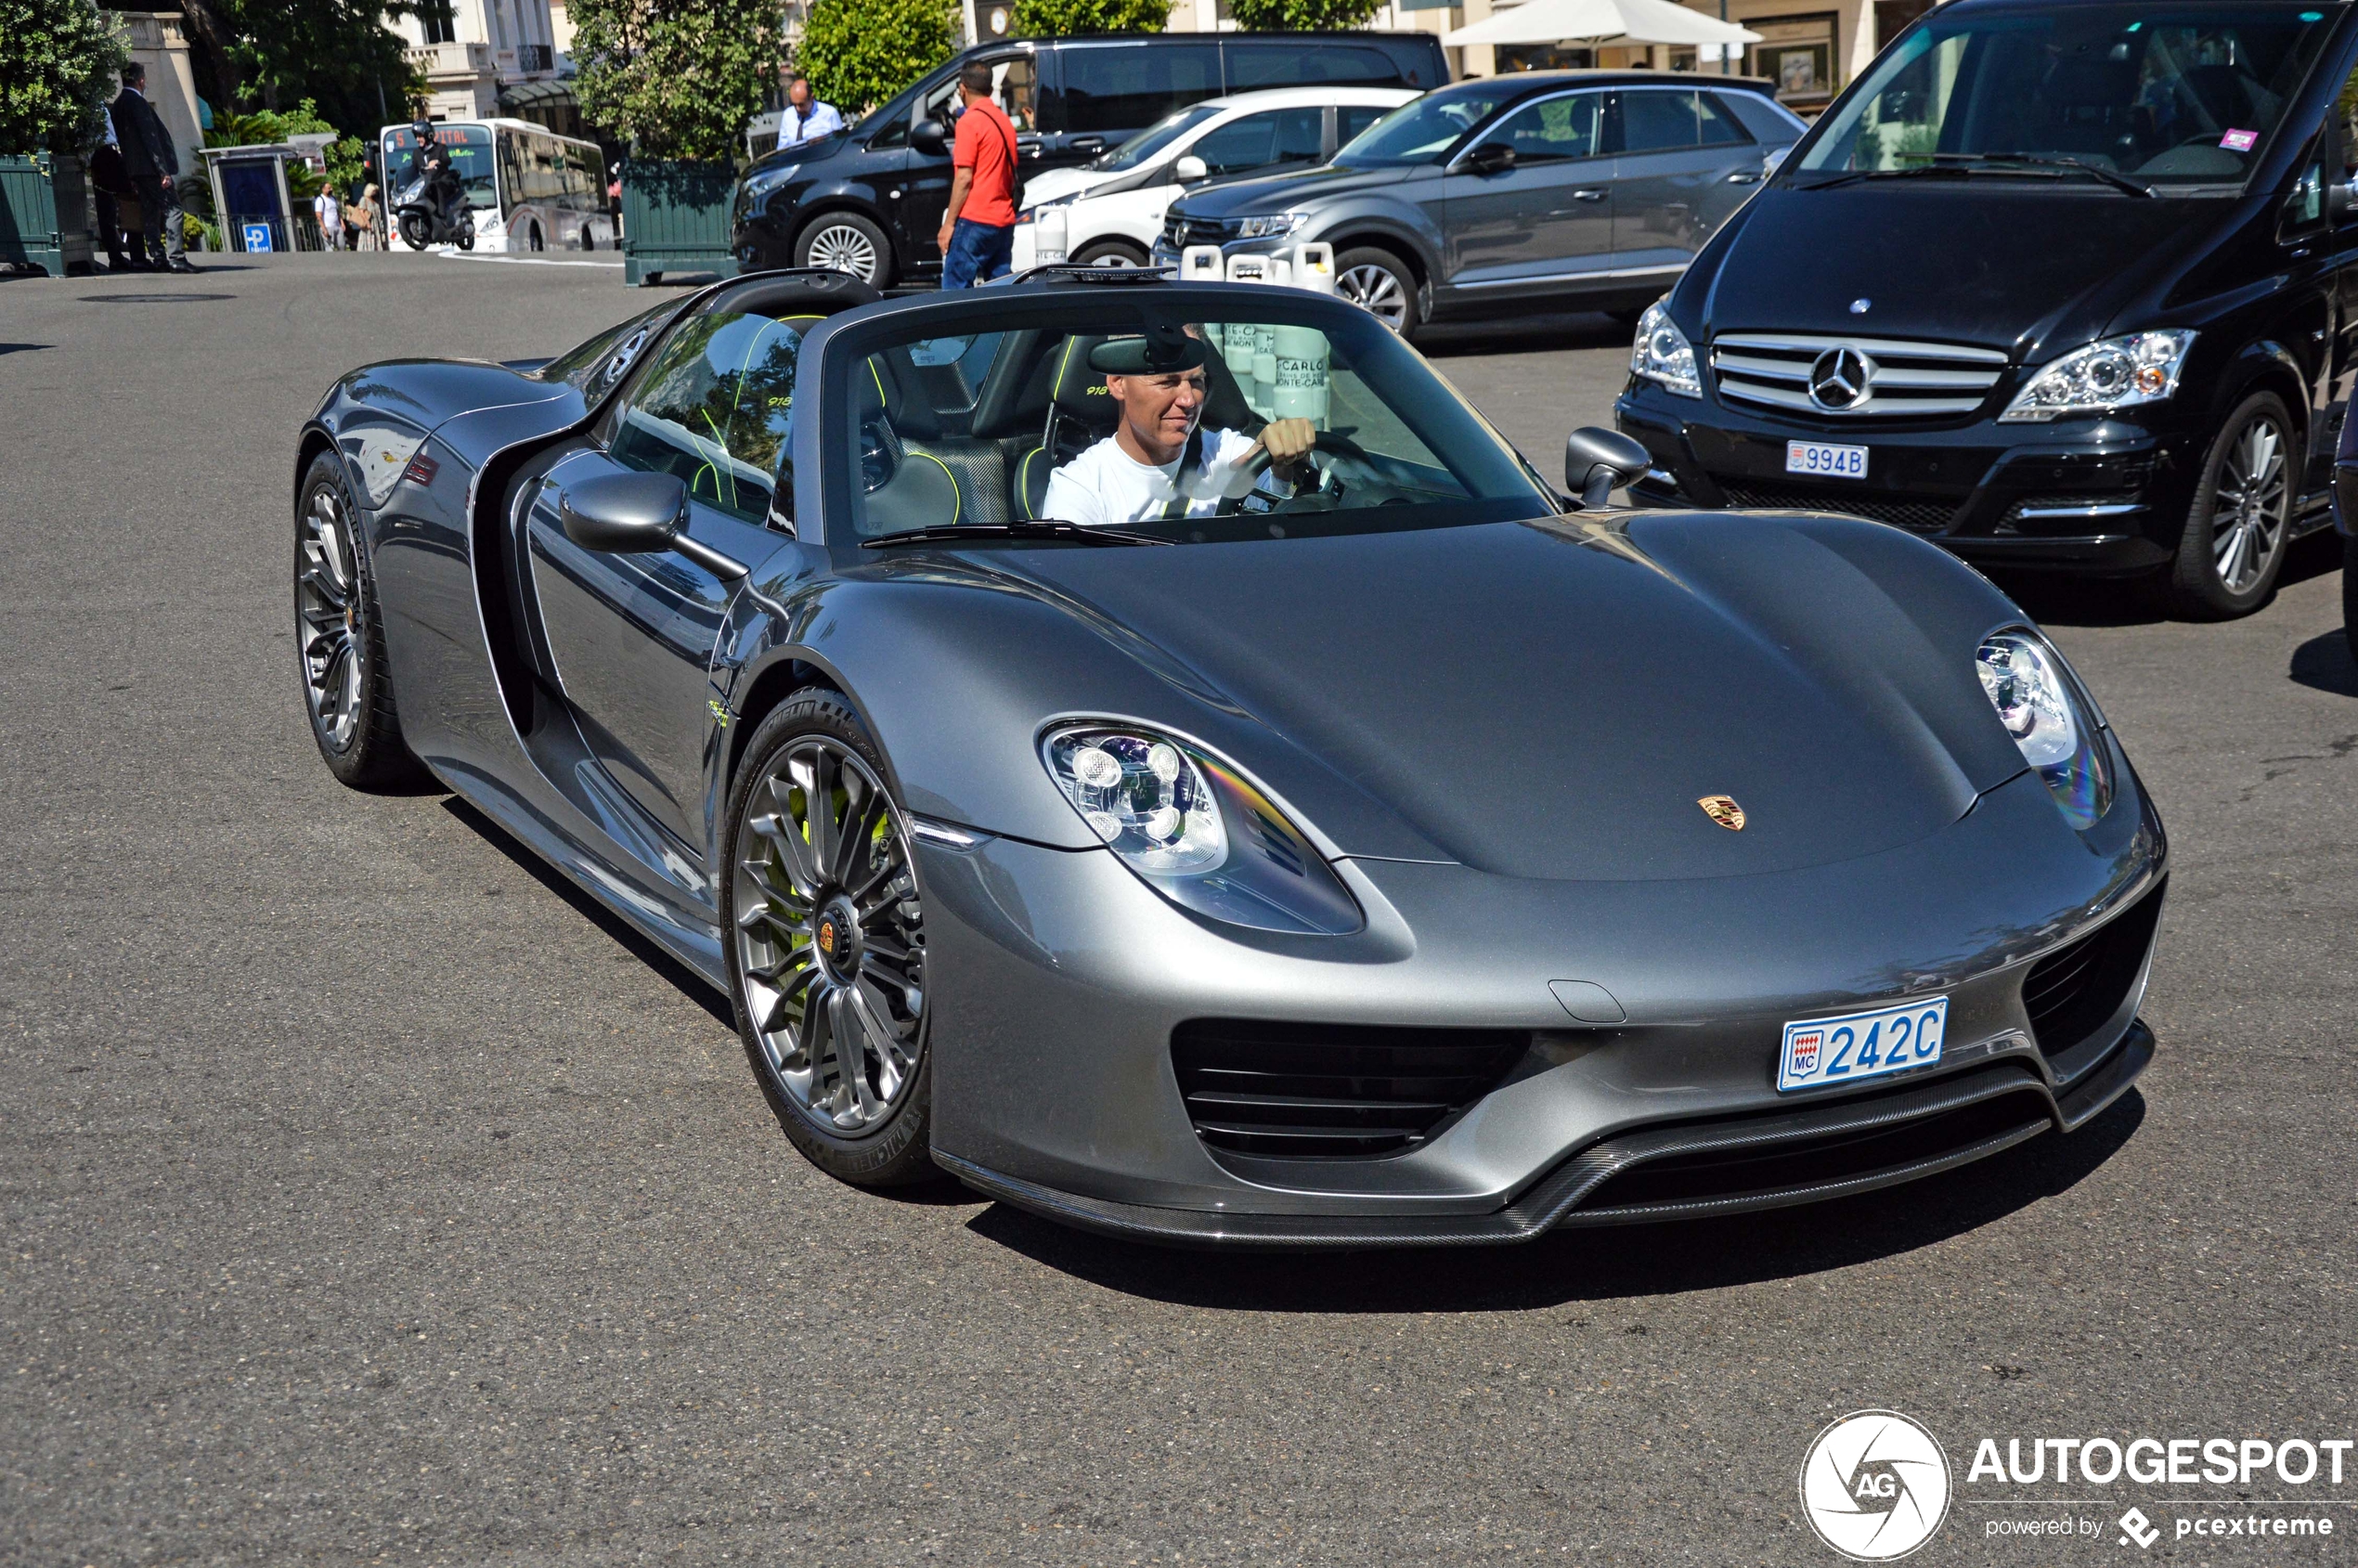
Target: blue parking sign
[257,237]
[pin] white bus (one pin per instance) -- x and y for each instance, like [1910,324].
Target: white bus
[531,189]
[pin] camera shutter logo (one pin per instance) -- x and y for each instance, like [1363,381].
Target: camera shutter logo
[1874,1486]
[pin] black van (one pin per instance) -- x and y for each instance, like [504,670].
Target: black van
[869,201]
[2070,285]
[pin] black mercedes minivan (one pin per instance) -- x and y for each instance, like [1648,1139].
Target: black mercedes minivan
[869,200]
[2058,283]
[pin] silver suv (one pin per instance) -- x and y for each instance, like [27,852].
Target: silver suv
[1587,189]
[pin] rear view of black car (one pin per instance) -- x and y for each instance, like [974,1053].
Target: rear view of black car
[869,200]
[2060,285]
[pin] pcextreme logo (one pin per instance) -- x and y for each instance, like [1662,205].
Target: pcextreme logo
[1874,1486]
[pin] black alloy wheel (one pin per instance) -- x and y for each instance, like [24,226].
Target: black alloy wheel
[827,945]
[2233,543]
[340,648]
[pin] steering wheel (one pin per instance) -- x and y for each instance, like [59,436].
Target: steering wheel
[1329,441]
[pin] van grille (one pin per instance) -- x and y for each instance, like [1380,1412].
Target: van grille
[1916,515]
[1332,1091]
[1902,380]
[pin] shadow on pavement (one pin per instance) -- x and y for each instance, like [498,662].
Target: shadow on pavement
[1523,334]
[2323,663]
[684,979]
[1594,1265]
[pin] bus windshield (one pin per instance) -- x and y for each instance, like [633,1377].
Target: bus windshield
[471,158]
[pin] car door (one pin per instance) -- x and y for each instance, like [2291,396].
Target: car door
[1682,165]
[2338,160]
[1546,218]
[631,637]
[924,182]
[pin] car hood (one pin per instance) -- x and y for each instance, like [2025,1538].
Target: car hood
[2028,270]
[1049,184]
[1274,193]
[1553,699]
[827,146]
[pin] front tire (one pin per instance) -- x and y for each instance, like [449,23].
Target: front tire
[2233,543]
[339,647]
[846,243]
[416,232]
[1382,285]
[826,945]
[1110,252]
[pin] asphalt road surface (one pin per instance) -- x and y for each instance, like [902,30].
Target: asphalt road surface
[371,1197]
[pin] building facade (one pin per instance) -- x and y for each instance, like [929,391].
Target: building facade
[472,51]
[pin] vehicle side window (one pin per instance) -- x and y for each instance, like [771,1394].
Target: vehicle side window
[1257,140]
[1354,118]
[1252,66]
[1659,121]
[1553,130]
[1129,86]
[1014,79]
[1764,119]
[1719,127]
[2342,126]
[715,410]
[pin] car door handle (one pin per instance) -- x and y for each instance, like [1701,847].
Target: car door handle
[1082,144]
[1028,144]
[1588,195]
[1740,177]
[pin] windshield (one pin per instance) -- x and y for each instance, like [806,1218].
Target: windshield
[2161,93]
[1418,132]
[470,150]
[1150,142]
[1279,421]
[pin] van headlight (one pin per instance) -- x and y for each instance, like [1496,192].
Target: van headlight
[2040,708]
[2115,373]
[1663,355]
[1197,831]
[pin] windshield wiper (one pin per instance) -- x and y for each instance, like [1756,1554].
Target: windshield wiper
[2040,161]
[1969,163]
[1036,528]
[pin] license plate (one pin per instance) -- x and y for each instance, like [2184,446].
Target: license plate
[1825,459]
[1856,1045]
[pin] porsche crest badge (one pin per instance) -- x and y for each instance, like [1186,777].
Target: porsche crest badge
[827,927]
[1723,810]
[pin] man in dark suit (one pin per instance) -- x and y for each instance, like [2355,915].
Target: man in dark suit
[151,164]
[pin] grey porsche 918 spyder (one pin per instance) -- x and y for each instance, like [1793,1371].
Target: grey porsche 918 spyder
[1336,837]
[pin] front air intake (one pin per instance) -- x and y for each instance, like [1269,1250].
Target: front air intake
[1332,1091]
[2076,990]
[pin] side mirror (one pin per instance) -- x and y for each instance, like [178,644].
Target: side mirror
[1773,160]
[1597,461]
[930,137]
[1191,169]
[2341,200]
[1490,158]
[625,514]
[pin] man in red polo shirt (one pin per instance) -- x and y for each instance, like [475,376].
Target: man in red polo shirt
[978,227]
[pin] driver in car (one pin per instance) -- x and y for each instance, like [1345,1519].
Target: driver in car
[1160,462]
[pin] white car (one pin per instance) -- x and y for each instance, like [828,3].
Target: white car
[1109,212]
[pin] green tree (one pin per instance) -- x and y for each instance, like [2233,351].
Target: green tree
[58,63]
[676,80]
[859,53]
[1301,15]
[337,54]
[1053,18]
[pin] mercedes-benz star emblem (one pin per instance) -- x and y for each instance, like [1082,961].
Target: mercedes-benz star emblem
[1840,377]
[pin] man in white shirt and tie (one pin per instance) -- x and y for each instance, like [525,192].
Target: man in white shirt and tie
[806,118]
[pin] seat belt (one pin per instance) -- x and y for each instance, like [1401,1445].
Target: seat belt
[1188,460]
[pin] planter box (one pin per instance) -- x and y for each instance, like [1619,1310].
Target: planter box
[674,219]
[44,212]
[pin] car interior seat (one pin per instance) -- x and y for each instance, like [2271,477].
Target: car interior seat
[1078,411]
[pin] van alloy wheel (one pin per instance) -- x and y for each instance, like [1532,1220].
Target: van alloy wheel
[842,248]
[2231,545]
[2247,523]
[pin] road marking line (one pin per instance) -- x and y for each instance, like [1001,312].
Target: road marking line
[521,261]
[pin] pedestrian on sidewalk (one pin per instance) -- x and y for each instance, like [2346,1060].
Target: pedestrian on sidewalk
[330,218]
[153,166]
[978,235]
[807,118]
[364,219]
[107,185]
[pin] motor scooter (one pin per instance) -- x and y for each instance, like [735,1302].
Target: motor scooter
[432,210]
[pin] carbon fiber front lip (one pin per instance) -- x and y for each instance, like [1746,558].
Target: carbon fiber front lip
[1553,1200]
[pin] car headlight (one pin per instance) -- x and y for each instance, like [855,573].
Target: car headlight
[1197,831]
[1663,355]
[2116,374]
[2040,708]
[760,183]
[1268,227]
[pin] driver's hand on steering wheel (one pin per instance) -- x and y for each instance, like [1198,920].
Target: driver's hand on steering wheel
[1288,442]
